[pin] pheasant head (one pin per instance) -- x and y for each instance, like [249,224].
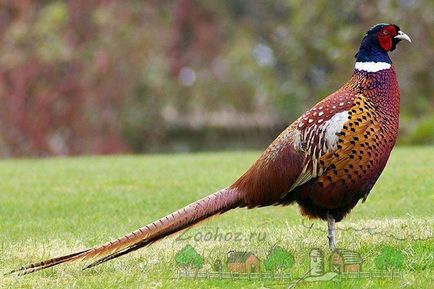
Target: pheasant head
[378,41]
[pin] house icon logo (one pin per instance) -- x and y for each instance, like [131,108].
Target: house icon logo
[342,260]
[245,262]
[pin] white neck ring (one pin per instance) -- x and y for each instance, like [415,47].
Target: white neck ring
[372,66]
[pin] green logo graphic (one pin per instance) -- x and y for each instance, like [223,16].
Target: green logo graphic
[278,259]
[189,258]
[338,265]
[217,266]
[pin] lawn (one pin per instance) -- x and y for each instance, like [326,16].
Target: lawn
[54,206]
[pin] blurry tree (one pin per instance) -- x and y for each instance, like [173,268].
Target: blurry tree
[106,76]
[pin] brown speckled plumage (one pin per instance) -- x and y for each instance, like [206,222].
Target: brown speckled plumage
[326,161]
[337,175]
[362,149]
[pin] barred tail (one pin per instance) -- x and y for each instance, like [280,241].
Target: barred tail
[217,203]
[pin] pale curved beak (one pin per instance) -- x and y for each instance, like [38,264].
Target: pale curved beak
[401,35]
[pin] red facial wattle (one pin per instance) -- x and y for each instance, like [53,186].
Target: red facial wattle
[385,36]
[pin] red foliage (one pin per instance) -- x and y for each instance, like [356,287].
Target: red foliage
[49,108]
[195,35]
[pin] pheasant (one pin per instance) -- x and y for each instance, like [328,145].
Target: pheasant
[325,161]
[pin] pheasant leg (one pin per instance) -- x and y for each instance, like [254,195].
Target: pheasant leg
[331,232]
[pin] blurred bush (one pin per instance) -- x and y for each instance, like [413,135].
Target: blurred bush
[421,133]
[95,77]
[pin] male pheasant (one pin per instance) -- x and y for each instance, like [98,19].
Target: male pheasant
[326,161]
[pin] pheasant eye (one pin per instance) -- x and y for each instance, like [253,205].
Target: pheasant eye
[385,32]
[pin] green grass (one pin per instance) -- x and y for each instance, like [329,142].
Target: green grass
[54,206]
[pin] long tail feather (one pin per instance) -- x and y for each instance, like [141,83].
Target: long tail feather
[217,203]
[47,263]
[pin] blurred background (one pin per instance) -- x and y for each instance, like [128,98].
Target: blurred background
[102,77]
